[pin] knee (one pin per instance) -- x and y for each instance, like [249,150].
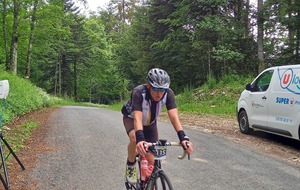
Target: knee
[132,137]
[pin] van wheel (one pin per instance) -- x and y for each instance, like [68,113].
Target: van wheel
[243,122]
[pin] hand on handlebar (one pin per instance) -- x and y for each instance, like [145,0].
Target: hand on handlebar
[187,146]
[142,148]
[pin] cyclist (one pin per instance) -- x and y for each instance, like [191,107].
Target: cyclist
[140,118]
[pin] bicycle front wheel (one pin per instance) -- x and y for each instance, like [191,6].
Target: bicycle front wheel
[161,182]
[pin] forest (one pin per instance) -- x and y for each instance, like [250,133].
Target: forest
[100,56]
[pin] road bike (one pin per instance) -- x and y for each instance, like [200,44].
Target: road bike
[158,180]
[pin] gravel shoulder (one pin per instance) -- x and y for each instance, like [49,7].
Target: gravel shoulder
[225,127]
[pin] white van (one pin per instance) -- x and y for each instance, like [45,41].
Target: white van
[271,103]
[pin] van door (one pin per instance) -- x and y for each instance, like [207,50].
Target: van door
[259,100]
[284,102]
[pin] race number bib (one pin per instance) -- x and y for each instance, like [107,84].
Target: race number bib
[160,152]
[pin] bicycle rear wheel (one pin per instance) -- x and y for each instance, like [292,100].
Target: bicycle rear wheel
[161,182]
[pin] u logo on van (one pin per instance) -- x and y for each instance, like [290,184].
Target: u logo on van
[290,81]
[285,80]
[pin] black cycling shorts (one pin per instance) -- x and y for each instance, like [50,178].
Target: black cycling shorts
[150,132]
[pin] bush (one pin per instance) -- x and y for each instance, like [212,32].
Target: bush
[23,97]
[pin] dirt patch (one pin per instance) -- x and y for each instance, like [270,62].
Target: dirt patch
[21,179]
[226,127]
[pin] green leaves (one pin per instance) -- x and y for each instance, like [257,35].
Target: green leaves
[223,53]
[81,57]
[23,97]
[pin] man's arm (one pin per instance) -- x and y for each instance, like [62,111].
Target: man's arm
[138,117]
[138,128]
[174,118]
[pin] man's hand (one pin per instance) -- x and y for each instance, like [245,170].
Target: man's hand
[142,148]
[188,146]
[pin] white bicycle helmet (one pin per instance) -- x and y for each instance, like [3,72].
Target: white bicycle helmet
[158,78]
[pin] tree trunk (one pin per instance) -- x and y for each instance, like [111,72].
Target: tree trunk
[59,76]
[29,50]
[75,79]
[7,65]
[298,39]
[123,11]
[14,41]
[260,35]
[56,79]
[209,64]
[297,28]
[246,20]
[65,76]
[90,91]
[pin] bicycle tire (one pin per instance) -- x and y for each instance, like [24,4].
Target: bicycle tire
[161,182]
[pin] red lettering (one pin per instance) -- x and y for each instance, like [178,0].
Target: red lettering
[286,78]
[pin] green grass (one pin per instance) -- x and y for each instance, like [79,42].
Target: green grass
[116,106]
[21,134]
[214,97]
[22,98]
[219,98]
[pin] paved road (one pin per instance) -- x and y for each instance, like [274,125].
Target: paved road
[90,153]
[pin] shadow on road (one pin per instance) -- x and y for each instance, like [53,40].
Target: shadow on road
[280,140]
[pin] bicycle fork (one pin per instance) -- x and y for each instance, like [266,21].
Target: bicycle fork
[152,178]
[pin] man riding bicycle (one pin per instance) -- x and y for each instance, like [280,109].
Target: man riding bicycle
[140,118]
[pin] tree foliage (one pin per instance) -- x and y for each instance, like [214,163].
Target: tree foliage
[101,56]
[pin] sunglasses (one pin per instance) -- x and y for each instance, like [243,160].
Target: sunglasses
[159,89]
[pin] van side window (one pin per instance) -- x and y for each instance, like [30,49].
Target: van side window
[262,82]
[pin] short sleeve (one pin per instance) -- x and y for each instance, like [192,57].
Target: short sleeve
[171,103]
[137,100]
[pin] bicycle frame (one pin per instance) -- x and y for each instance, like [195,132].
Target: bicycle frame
[154,175]
[157,170]
[144,185]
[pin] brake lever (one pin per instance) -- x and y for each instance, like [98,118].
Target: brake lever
[181,157]
[146,146]
[188,145]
